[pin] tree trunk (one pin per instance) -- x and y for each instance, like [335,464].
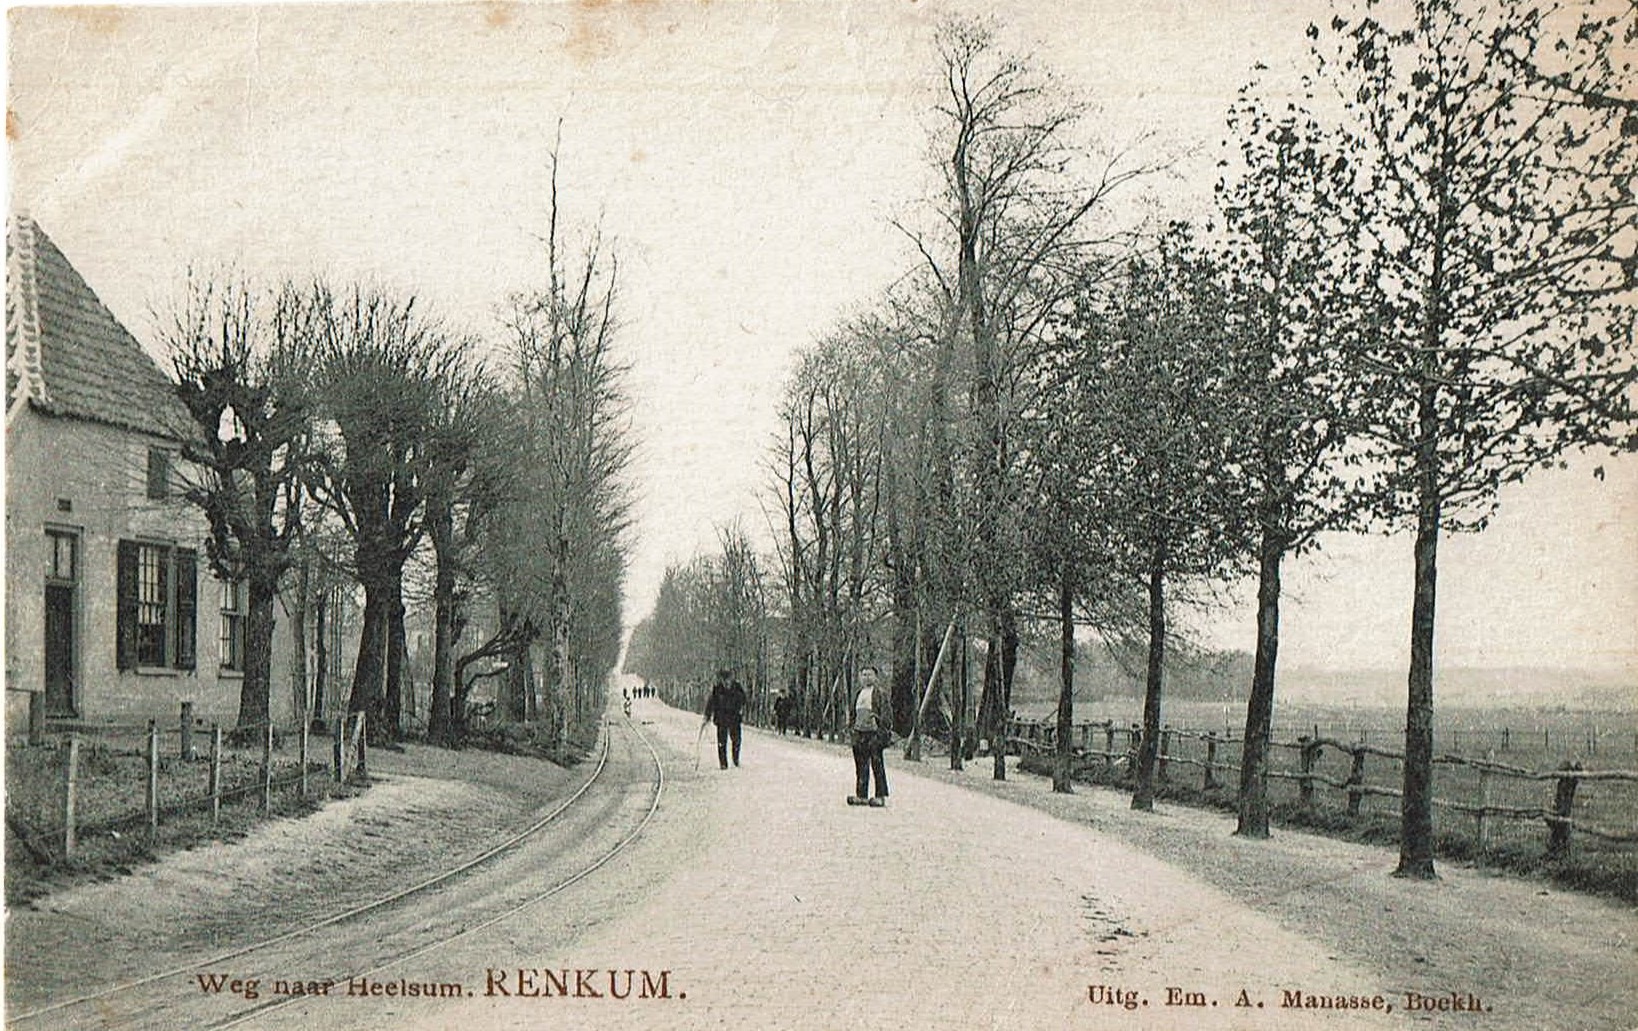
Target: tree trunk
[1253,822]
[440,715]
[298,638]
[256,689]
[372,654]
[1066,682]
[562,668]
[1143,795]
[992,722]
[1416,805]
[958,699]
[392,700]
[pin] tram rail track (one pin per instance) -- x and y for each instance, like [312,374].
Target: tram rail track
[454,875]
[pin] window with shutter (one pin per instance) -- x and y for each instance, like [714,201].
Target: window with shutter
[126,606]
[157,605]
[187,605]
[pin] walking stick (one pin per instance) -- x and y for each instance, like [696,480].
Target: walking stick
[697,739]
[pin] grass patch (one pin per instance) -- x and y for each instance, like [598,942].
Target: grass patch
[112,832]
[1596,870]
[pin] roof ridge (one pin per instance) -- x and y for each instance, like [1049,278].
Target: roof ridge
[25,378]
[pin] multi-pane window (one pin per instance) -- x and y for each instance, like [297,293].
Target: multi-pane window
[153,605]
[157,599]
[233,624]
[61,556]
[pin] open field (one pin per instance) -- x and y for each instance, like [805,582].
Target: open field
[1514,829]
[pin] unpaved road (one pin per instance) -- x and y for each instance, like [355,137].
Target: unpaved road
[755,898]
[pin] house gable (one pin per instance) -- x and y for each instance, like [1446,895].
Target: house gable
[66,353]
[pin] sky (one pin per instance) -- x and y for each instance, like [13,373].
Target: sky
[746,159]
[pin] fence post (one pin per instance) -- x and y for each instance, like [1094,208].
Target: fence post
[267,766]
[1109,745]
[339,728]
[1165,750]
[1134,734]
[1356,778]
[1305,759]
[301,753]
[1558,829]
[359,734]
[1481,818]
[215,772]
[1210,779]
[1086,737]
[186,750]
[1506,733]
[151,796]
[71,787]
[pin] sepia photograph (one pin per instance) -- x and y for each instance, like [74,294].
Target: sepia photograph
[819,514]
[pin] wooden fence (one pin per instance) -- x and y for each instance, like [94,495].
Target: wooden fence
[348,762]
[1488,798]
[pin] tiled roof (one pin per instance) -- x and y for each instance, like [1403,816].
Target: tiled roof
[66,354]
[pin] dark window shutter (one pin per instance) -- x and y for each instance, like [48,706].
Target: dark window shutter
[187,604]
[126,606]
[159,473]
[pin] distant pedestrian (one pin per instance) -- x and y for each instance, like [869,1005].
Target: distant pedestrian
[871,725]
[726,708]
[784,709]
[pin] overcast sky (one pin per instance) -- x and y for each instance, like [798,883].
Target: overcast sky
[746,158]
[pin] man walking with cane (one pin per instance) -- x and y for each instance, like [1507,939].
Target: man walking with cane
[726,708]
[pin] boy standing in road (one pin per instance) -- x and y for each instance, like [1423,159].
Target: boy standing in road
[870,723]
[726,708]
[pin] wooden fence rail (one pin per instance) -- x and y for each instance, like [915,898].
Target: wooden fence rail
[1039,736]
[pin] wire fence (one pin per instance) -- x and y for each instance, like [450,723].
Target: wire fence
[83,782]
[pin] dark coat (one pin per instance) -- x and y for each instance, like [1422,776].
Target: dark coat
[726,706]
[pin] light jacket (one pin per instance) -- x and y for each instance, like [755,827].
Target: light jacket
[870,713]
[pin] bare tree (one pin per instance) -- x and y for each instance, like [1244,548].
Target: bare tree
[239,370]
[380,363]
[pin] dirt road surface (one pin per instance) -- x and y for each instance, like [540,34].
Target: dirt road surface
[755,898]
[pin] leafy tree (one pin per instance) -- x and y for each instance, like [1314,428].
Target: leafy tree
[1019,194]
[1499,215]
[1148,384]
[1292,283]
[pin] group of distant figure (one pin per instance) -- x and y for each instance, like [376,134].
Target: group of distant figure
[869,725]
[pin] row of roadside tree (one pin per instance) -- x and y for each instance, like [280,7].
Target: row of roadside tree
[1417,286]
[344,434]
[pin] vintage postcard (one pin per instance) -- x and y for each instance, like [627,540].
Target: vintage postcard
[680,514]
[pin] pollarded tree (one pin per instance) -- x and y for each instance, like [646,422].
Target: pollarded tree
[1499,219]
[379,364]
[472,466]
[239,364]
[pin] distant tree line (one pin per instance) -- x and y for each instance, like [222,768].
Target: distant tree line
[343,434]
[1418,286]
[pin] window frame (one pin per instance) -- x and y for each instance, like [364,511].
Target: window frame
[156,578]
[231,641]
